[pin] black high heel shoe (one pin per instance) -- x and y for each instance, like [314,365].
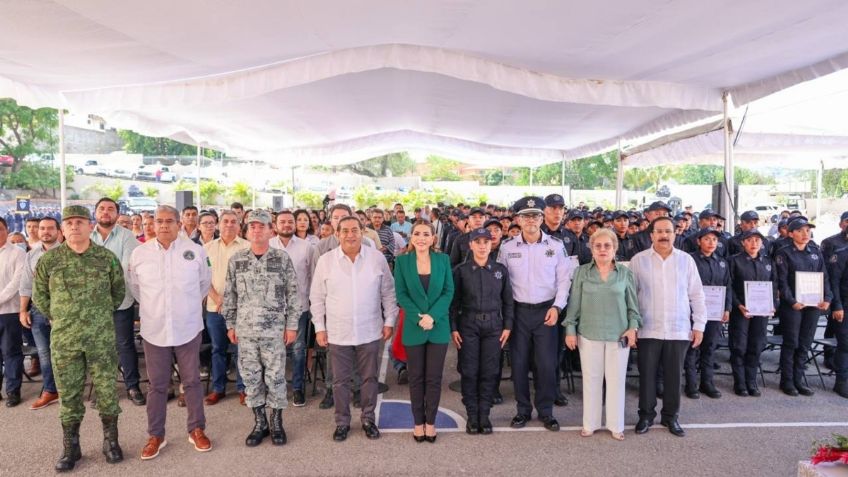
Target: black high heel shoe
[431,439]
[419,439]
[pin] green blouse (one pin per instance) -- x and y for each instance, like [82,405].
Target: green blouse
[602,310]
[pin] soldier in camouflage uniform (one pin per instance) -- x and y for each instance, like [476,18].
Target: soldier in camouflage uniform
[78,286]
[262,309]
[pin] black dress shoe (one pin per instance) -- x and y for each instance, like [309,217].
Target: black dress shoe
[327,402]
[371,430]
[550,423]
[674,427]
[643,426]
[711,391]
[561,401]
[789,391]
[418,439]
[341,433]
[754,391]
[841,388]
[431,439]
[692,393]
[519,421]
[472,426]
[136,397]
[485,425]
[13,398]
[804,390]
[497,399]
[741,392]
[403,376]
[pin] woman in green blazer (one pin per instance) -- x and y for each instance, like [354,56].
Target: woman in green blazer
[424,285]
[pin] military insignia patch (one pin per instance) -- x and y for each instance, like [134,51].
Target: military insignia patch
[814,257]
[498,275]
[834,259]
[549,252]
[768,267]
[188,255]
[566,240]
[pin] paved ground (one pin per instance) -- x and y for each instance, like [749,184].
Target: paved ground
[729,436]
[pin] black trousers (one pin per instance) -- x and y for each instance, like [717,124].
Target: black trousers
[479,359]
[670,353]
[533,342]
[747,340]
[840,360]
[701,358]
[425,364]
[11,342]
[799,329]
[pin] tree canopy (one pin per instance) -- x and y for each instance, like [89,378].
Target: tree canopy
[25,131]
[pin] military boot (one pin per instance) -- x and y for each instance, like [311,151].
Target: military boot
[278,434]
[111,448]
[260,429]
[71,452]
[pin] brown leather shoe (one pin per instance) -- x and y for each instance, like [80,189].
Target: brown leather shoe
[47,398]
[34,367]
[213,398]
[242,397]
[181,400]
[152,448]
[200,441]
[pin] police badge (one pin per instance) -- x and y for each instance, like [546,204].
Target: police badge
[814,256]
[188,255]
[549,252]
[768,267]
[498,275]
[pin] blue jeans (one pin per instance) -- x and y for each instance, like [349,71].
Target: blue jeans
[125,343]
[41,334]
[216,327]
[299,352]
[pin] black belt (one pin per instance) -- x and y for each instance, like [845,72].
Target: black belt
[535,306]
[481,316]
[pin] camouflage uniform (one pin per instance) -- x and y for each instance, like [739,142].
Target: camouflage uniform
[78,293]
[260,303]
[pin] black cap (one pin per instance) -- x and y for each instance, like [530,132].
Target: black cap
[659,205]
[749,215]
[574,214]
[529,205]
[844,216]
[707,231]
[782,223]
[752,233]
[620,213]
[707,213]
[798,223]
[554,200]
[477,210]
[493,222]
[679,217]
[478,233]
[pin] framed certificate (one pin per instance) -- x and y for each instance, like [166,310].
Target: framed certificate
[809,288]
[714,297]
[759,298]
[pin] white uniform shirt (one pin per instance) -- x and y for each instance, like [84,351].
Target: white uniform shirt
[346,297]
[28,273]
[304,256]
[170,285]
[539,271]
[12,264]
[669,292]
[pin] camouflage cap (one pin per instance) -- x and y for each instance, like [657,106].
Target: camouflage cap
[262,216]
[73,211]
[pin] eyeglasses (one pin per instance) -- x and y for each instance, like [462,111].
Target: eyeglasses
[531,216]
[602,246]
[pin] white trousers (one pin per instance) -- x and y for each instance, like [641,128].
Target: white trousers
[600,360]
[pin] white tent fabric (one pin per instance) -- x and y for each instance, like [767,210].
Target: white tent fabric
[493,82]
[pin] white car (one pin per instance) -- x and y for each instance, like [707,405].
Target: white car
[148,173]
[121,174]
[92,168]
[137,205]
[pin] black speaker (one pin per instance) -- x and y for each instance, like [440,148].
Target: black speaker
[184,198]
[278,203]
[720,205]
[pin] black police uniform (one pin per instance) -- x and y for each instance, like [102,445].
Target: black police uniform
[460,249]
[626,248]
[828,248]
[690,244]
[798,327]
[747,336]
[837,266]
[714,272]
[734,246]
[830,245]
[481,309]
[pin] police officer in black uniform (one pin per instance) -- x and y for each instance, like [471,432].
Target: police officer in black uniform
[828,247]
[481,319]
[708,219]
[458,220]
[460,250]
[748,221]
[626,243]
[837,266]
[747,333]
[714,272]
[573,239]
[553,214]
[798,322]
[655,210]
[496,230]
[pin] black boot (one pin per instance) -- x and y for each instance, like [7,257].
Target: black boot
[71,452]
[841,388]
[260,429]
[111,448]
[278,434]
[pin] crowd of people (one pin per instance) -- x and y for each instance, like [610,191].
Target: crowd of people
[543,282]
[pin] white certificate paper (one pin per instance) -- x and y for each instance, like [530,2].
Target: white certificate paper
[715,297]
[809,288]
[759,298]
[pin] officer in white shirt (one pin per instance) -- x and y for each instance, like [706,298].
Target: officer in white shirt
[169,277]
[674,315]
[540,274]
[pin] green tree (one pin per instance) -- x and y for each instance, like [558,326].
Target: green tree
[114,192]
[209,190]
[136,143]
[364,197]
[396,164]
[40,178]
[241,192]
[25,131]
[308,199]
[441,169]
[151,191]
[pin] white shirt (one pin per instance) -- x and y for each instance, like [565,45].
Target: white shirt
[346,297]
[304,256]
[669,292]
[12,263]
[538,271]
[170,285]
[121,242]
[28,272]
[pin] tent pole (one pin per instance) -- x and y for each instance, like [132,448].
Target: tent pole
[198,177]
[619,181]
[63,180]
[819,176]
[729,208]
[253,188]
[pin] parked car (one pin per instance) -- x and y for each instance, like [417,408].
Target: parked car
[137,205]
[148,173]
[7,161]
[121,173]
[92,168]
[134,191]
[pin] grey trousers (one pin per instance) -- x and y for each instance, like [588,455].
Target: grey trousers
[364,360]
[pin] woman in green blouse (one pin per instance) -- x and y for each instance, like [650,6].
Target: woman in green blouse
[602,318]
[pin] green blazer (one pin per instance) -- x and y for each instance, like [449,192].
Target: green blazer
[435,302]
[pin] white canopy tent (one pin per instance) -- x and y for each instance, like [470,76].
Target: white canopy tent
[491,82]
